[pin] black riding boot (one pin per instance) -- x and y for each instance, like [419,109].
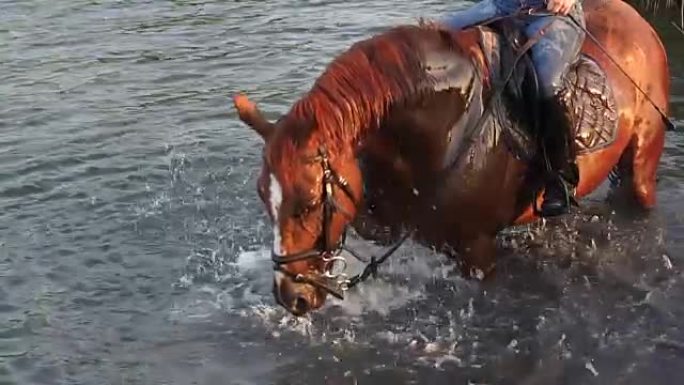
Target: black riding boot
[562,174]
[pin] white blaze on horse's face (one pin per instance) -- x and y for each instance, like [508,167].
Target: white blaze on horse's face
[275,200]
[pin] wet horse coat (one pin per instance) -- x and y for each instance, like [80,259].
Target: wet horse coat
[390,111]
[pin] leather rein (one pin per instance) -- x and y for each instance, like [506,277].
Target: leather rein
[333,279]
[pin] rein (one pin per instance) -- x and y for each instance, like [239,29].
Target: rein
[333,280]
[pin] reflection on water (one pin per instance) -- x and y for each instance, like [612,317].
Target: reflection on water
[131,238]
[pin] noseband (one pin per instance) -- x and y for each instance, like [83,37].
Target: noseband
[333,280]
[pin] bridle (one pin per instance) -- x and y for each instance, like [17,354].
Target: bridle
[333,280]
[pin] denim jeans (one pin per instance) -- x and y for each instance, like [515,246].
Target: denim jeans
[552,54]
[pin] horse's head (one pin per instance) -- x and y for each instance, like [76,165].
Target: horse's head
[311,195]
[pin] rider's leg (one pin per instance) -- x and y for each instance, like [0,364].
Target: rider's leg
[476,14]
[558,47]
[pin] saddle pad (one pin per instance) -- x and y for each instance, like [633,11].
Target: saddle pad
[586,93]
[591,99]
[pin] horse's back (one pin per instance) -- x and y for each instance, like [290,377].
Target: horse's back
[633,43]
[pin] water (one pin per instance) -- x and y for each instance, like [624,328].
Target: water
[132,244]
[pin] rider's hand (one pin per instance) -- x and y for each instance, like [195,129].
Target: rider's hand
[560,6]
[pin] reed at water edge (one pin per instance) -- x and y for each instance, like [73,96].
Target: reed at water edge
[672,9]
[656,4]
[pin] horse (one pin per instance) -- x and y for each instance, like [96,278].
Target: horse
[386,141]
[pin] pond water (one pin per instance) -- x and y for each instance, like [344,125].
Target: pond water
[133,248]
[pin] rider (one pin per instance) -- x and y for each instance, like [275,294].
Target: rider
[559,43]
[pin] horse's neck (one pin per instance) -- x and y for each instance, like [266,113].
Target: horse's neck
[413,111]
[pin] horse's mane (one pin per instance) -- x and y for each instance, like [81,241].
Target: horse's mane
[358,88]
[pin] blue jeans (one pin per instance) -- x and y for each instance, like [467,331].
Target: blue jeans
[552,54]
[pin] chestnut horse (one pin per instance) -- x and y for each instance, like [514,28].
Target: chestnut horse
[366,147]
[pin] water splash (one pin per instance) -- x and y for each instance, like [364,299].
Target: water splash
[421,307]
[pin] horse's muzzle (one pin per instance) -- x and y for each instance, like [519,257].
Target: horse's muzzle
[298,298]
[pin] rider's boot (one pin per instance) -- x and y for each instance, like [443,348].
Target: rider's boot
[562,174]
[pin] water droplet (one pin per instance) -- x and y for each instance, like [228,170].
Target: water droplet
[432,347]
[590,367]
[513,344]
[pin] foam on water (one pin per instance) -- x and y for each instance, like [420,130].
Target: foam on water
[378,296]
[242,287]
[255,260]
[392,290]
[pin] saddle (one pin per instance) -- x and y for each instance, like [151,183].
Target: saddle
[585,91]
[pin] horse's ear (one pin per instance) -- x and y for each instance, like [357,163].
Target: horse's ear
[250,114]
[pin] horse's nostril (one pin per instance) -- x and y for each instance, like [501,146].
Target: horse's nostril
[300,305]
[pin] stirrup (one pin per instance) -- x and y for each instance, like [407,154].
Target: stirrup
[568,200]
